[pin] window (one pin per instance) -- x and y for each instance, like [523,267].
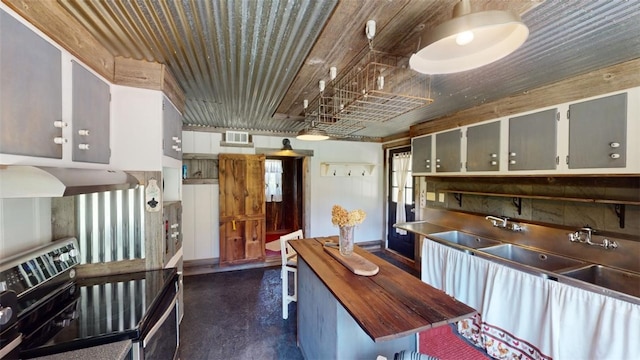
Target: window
[396,168]
[273,180]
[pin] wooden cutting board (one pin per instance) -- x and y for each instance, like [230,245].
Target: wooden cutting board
[354,262]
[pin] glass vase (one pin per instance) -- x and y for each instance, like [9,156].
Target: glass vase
[346,240]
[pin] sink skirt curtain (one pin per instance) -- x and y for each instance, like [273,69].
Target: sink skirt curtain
[525,316]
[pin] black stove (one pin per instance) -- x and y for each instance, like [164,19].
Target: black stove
[58,312]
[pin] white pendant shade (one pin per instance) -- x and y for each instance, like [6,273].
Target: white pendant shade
[469,41]
[312,134]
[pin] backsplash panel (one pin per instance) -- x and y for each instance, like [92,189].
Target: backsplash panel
[601,217]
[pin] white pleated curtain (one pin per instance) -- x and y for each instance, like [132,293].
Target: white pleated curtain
[401,166]
[273,180]
[525,316]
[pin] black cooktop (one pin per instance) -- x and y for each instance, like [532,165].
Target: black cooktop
[94,311]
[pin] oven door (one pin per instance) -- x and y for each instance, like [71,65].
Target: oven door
[162,341]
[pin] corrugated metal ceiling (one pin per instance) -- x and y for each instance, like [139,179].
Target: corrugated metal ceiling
[236,59]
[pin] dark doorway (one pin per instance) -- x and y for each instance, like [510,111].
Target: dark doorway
[283,211]
[401,243]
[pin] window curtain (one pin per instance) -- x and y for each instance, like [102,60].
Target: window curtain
[273,180]
[401,165]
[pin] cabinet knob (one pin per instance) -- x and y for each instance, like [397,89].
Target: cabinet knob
[60,124]
[438,166]
[494,163]
[83,146]
[428,161]
[494,155]
[437,160]
[59,140]
[615,156]
[614,145]
[428,166]
[512,162]
[512,154]
[83,132]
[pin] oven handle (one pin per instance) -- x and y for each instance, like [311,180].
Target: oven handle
[10,346]
[160,322]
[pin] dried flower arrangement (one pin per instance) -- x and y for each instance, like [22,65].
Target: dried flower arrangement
[341,217]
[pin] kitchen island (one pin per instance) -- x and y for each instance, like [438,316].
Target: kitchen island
[346,316]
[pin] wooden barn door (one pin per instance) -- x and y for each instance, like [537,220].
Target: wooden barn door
[242,208]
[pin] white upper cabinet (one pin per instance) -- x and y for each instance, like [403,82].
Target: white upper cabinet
[54,111]
[598,133]
[138,122]
[90,117]
[172,130]
[591,136]
[483,147]
[448,151]
[532,141]
[30,92]
[421,155]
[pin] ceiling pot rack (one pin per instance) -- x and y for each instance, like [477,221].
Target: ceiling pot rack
[374,88]
[619,205]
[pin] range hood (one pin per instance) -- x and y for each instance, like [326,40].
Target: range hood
[17,181]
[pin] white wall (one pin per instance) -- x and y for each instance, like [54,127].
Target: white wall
[200,202]
[24,224]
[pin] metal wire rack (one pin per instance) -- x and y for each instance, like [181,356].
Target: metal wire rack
[376,88]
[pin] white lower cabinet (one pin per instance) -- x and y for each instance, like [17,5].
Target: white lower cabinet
[200,222]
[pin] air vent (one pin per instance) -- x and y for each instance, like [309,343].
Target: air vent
[237,137]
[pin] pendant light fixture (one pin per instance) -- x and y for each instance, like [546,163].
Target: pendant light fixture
[312,133]
[469,40]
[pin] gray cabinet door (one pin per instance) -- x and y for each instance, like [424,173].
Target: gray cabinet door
[172,130]
[30,92]
[421,154]
[448,151]
[532,141]
[483,147]
[598,133]
[90,116]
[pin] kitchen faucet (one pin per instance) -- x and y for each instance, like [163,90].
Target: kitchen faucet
[503,223]
[500,222]
[584,236]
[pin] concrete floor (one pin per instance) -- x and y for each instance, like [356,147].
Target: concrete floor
[237,315]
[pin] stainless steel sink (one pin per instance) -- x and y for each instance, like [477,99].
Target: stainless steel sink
[605,277]
[464,239]
[537,259]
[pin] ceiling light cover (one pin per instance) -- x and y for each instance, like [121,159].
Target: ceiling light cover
[312,134]
[496,34]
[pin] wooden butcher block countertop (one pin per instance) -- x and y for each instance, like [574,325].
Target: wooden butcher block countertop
[388,305]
